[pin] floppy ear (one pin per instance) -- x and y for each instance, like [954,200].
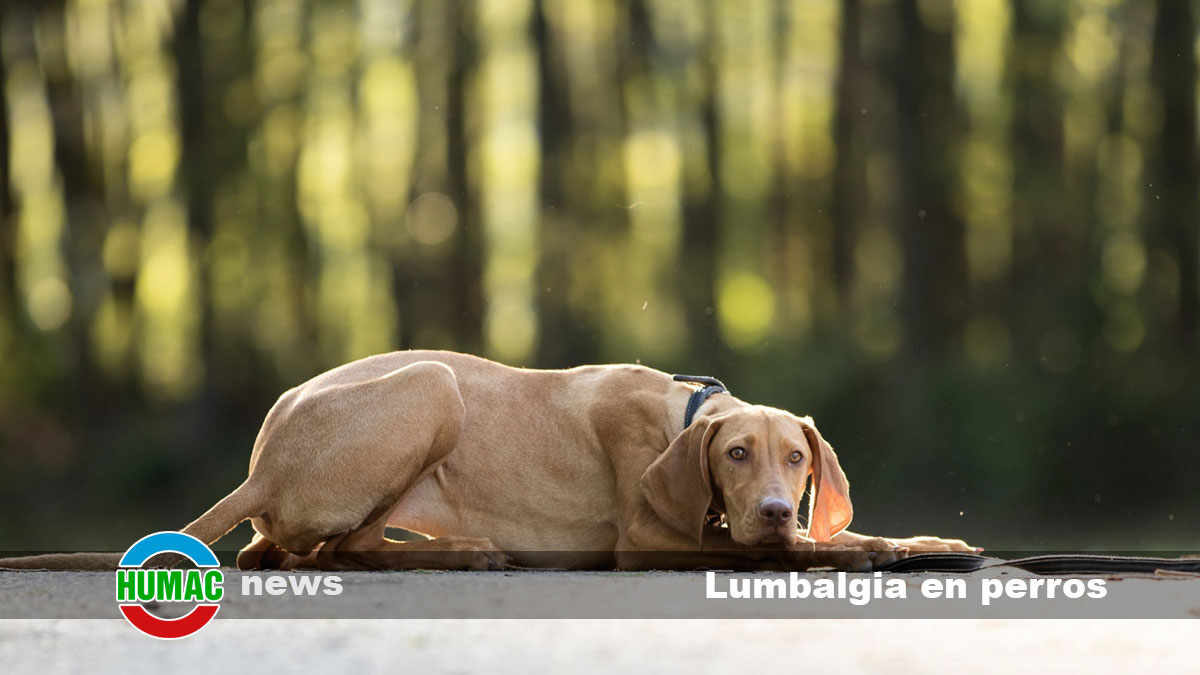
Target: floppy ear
[829,508]
[677,484]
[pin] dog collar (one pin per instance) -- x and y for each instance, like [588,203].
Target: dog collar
[711,386]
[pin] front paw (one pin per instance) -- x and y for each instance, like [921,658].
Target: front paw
[864,555]
[879,552]
[936,545]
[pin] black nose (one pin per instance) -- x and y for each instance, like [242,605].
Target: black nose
[775,510]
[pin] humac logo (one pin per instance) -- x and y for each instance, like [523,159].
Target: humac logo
[202,585]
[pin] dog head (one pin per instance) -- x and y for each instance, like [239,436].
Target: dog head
[752,463]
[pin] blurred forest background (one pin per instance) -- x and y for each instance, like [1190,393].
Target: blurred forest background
[961,234]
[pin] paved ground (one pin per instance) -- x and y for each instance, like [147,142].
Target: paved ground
[610,595]
[520,647]
[457,645]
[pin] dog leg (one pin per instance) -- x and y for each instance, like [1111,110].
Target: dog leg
[935,545]
[262,554]
[367,549]
[655,546]
[913,544]
[334,461]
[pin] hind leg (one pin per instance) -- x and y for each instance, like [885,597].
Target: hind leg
[251,556]
[262,554]
[368,549]
[337,454]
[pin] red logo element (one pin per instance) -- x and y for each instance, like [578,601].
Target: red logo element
[169,629]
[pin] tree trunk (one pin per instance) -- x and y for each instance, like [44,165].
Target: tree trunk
[195,166]
[8,210]
[467,291]
[933,298]
[701,221]
[1039,204]
[558,338]
[849,173]
[1174,219]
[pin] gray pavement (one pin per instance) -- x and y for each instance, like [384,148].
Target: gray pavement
[617,595]
[822,642]
[596,646]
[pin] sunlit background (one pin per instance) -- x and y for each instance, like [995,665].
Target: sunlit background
[961,234]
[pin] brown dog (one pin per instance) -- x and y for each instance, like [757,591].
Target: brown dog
[586,467]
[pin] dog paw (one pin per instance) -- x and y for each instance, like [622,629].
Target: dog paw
[881,552]
[865,555]
[936,545]
[480,560]
[497,560]
[880,559]
[479,554]
[868,561]
[882,545]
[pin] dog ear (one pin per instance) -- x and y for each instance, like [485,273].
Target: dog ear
[829,507]
[678,485]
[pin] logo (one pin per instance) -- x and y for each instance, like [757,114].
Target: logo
[202,585]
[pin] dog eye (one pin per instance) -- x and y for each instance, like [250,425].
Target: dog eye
[795,457]
[738,453]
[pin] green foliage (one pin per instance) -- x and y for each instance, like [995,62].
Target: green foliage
[962,235]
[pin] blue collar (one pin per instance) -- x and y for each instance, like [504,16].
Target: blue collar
[711,386]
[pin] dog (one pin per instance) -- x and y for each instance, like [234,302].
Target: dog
[609,466]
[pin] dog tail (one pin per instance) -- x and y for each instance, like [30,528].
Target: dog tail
[242,503]
[96,562]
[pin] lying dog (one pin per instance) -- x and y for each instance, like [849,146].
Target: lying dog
[592,467]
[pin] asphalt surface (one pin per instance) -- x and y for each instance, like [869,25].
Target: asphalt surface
[612,595]
[566,646]
[822,643]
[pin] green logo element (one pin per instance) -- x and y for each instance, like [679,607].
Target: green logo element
[196,585]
